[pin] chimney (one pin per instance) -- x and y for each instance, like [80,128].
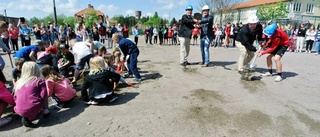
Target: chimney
[90,6]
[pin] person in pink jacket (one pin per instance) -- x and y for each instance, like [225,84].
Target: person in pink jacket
[30,94]
[58,87]
[5,98]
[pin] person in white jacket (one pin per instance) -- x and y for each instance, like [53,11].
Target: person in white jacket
[155,35]
[310,38]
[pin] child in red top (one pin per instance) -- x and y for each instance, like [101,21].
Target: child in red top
[276,46]
[5,98]
[195,32]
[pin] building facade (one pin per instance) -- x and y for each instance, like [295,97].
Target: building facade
[301,10]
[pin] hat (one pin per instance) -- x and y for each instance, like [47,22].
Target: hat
[189,7]
[64,46]
[51,49]
[205,7]
[38,43]
[253,19]
[270,29]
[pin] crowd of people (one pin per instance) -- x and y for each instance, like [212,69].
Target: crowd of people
[272,39]
[50,66]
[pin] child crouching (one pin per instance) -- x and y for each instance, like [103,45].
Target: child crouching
[100,83]
[58,87]
[30,94]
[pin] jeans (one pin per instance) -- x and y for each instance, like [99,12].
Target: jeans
[204,48]
[132,64]
[318,47]
[217,41]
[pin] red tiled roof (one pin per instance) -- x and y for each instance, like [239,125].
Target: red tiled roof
[254,3]
[84,11]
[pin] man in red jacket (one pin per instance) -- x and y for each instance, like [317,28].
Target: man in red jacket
[276,46]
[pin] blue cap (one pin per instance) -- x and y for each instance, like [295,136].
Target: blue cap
[270,29]
[189,7]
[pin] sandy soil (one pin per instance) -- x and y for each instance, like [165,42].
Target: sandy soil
[195,101]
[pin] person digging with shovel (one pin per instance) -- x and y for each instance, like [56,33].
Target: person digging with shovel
[276,46]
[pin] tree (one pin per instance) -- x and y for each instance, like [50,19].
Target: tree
[173,21]
[271,11]
[71,21]
[221,7]
[90,18]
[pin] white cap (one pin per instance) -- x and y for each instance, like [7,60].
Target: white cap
[253,19]
[205,7]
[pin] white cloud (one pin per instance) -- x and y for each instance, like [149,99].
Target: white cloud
[167,7]
[165,16]
[130,12]
[107,8]
[149,14]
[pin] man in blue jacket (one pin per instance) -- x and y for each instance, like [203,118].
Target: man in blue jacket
[206,36]
[129,48]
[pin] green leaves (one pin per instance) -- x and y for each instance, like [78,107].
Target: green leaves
[271,11]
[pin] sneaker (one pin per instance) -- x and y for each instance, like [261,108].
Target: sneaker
[92,102]
[127,76]
[138,80]
[309,52]
[205,65]
[5,120]
[201,63]
[26,122]
[267,74]
[187,63]
[113,98]
[278,78]
[316,53]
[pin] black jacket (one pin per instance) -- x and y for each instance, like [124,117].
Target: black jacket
[186,26]
[50,60]
[247,36]
[206,26]
[98,84]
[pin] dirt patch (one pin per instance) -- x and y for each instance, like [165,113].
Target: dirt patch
[190,70]
[207,95]
[206,115]
[253,86]
[252,122]
[285,125]
[313,125]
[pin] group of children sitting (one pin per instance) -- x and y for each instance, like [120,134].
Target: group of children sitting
[37,79]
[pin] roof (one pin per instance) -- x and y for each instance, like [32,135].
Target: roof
[84,11]
[255,3]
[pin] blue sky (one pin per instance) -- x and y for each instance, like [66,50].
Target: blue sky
[41,8]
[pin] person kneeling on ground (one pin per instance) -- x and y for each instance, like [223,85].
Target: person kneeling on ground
[100,83]
[66,61]
[5,98]
[58,87]
[276,47]
[30,94]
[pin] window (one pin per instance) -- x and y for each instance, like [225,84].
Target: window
[296,6]
[309,8]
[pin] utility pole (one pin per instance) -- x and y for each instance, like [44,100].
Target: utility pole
[55,13]
[5,14]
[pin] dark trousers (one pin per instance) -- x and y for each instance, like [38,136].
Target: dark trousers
[132,64]
[15,44]
[25,42]
[147,38]
[150,39]
[161,39]
[136,40]
[309,44]
[155,39]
